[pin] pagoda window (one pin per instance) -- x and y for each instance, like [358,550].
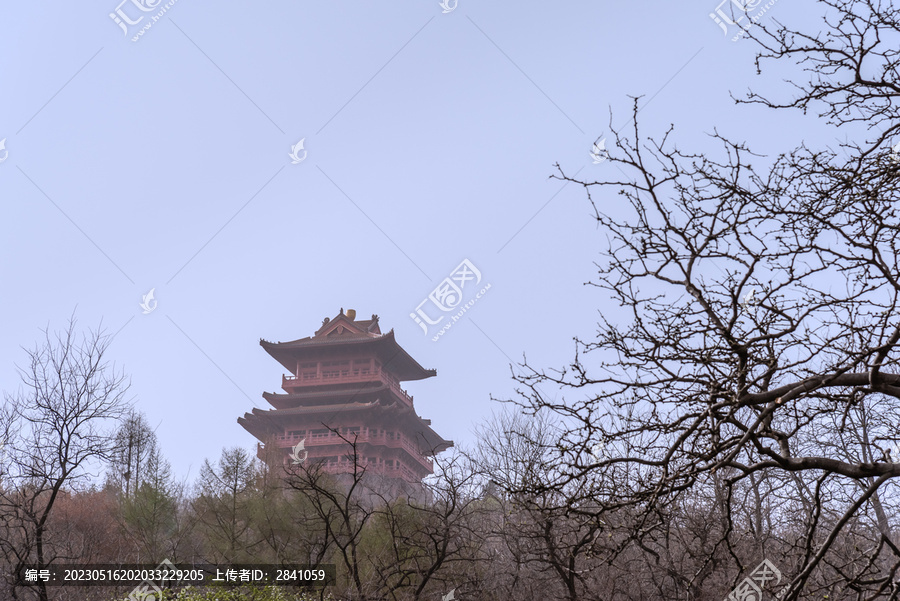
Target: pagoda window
[307,371]
[335,369]
[362,366]
[320,433]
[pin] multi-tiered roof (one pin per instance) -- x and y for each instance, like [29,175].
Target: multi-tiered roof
[343,388]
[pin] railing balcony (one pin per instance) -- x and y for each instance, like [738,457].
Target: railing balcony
[286,440]
[332,377]
[346,376]
[380,470]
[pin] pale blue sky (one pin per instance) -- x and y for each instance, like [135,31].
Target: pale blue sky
[164,164]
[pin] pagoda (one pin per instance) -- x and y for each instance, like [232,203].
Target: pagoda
[343,391]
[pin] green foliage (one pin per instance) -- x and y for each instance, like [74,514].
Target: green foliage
[224,505]
[149,516]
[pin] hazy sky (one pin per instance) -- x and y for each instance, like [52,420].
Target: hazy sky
[429,138]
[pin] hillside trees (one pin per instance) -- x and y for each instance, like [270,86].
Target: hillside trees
[756,363]
[56,428]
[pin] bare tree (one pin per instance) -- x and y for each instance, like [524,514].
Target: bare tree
[754,358]
[343,505]
[55,429]
[424,548]
[287,524]
[549,535]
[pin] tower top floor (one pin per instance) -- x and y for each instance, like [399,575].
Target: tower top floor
[333,351]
